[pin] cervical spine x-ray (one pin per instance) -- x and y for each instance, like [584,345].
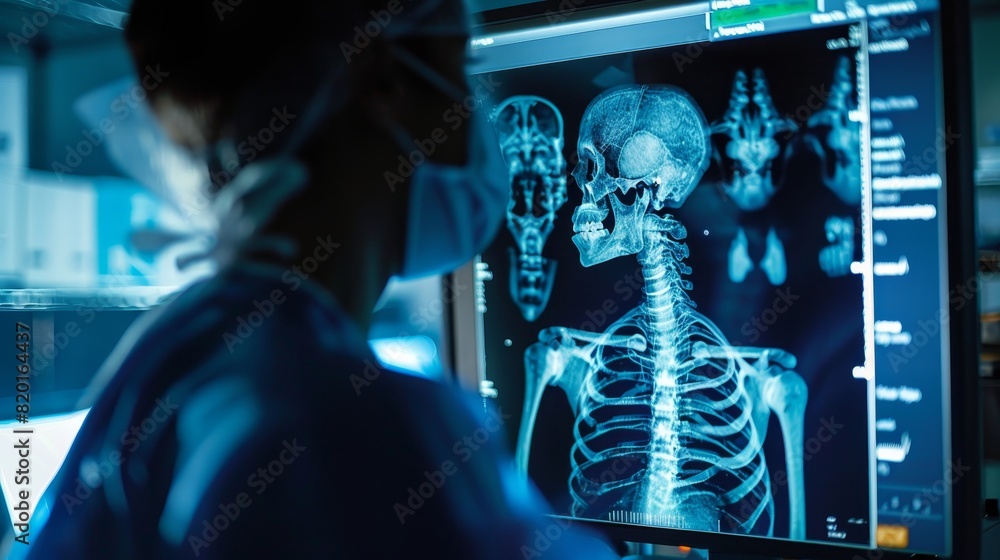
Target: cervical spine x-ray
[662,400]
[530,130]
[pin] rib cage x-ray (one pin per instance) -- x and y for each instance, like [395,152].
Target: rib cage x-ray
[661,390]
[530,131]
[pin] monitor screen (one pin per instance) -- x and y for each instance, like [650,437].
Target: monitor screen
[716,303]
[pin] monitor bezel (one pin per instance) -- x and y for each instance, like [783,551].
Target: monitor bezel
[966,417]
[966,407]
[563,10]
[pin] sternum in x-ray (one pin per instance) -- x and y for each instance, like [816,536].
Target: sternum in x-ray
[697,335]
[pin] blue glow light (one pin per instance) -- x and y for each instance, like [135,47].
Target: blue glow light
[415,355]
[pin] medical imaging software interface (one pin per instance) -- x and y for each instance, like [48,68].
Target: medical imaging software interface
[715,303]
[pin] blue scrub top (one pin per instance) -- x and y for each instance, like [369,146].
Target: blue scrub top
[248,419]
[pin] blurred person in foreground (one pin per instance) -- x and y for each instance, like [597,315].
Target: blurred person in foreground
[247,418]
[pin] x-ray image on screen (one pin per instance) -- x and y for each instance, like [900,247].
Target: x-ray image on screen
[700,347]
[530,132]
[662,382]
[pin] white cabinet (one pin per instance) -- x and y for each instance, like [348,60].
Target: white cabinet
[13,120]
[58,232]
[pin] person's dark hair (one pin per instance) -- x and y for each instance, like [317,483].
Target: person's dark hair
[212,50]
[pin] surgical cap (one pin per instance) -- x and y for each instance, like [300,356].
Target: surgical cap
[213,46]
[428,18]
[322,78]
[263,56]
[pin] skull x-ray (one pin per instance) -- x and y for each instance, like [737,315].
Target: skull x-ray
[675,371]
[530,131]
[642,143]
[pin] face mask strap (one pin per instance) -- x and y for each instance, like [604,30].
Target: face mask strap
[323,105]
[328,97]
[403,139]
[429,73]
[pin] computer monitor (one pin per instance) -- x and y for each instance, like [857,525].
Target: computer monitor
[733,303]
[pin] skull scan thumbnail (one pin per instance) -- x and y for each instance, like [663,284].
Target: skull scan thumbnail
[530,131]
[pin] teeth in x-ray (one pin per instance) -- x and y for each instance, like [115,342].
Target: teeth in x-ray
[589,226]
[589,235]
[893,452]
